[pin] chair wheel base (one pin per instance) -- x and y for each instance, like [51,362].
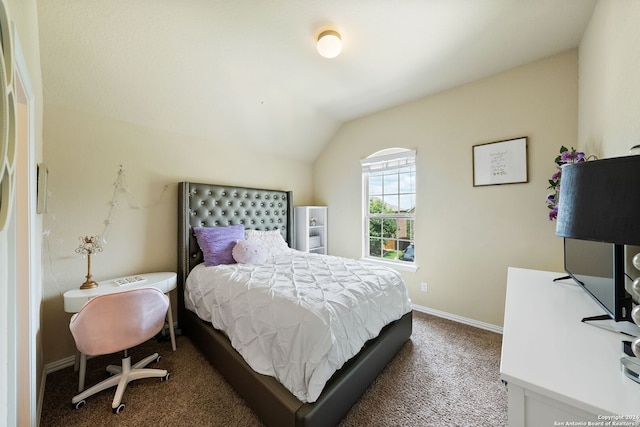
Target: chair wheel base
[166,377]
[119,409]
[79,405]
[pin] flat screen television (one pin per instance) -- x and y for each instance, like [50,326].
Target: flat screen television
[599,269]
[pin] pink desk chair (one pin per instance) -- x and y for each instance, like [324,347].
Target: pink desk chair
[117,322]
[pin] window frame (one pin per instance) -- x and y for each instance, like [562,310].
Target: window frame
[388,159]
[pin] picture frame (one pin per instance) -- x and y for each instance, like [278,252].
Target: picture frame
[500,162]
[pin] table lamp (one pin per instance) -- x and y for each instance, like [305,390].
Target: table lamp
[89,246]
[600,201]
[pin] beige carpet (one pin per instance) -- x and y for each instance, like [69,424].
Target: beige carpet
[446,375]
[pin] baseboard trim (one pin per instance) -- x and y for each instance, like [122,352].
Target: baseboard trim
[49,368]
[459,319]
[59,364]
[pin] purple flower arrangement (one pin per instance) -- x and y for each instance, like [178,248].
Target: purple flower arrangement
[566,157]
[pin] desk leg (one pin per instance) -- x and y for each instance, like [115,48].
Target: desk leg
[171,331]
[82,370]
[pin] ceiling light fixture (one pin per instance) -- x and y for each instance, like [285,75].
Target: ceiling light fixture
[329,44]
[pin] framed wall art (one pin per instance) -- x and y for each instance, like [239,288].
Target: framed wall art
[500,162]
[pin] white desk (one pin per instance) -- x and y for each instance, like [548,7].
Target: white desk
[74,299]
[557,368]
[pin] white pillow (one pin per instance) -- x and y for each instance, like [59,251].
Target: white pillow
[249,252]
[271,240]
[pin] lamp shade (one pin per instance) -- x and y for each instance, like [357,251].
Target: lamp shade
[600,201]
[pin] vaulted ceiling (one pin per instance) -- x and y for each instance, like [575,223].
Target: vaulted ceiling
[246,72]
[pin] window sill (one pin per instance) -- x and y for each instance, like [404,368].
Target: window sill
[403,266]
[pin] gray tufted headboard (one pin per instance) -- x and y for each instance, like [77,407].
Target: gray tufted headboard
[209,205]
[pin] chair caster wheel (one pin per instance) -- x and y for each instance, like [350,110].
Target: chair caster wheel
[158,359]
[79,405]
[119,409]
[166,377]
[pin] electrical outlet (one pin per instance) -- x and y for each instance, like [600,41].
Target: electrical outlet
[424,287]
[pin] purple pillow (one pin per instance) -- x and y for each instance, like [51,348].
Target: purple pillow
[217,243]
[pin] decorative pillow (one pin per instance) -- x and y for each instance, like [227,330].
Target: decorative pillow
[217,243]
[272,241]
[249,252]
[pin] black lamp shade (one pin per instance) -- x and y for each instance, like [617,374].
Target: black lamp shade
[600,200]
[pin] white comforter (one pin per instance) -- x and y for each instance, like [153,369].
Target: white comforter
[300,318]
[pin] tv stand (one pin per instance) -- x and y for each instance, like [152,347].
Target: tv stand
[606,322]
[559,369]
[596,318]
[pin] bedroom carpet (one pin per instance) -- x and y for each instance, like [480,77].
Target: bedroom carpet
[447,374]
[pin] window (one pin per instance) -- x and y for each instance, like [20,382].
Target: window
[389,178]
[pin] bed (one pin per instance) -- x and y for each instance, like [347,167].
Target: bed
[258,209]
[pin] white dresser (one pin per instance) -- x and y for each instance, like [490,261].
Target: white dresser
[559,370]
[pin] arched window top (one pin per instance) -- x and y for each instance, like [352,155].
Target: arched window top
[389,151]
[389,158]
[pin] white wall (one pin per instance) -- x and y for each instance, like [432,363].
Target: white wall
[83,153]
[609,120]
[466,237]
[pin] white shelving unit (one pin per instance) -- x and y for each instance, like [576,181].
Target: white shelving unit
[311,229]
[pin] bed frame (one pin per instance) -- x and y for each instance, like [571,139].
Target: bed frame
[212,205]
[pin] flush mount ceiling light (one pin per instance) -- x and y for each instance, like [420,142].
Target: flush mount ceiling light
[329,44]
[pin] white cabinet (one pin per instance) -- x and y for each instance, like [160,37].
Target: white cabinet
[559,370]
[311,229]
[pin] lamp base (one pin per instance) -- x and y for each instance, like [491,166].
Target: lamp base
[631,368]
[89,283]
